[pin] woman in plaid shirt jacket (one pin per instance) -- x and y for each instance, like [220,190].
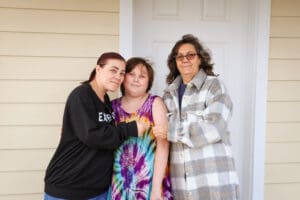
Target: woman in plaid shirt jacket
[201,161]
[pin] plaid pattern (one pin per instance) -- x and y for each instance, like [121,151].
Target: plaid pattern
[201,162]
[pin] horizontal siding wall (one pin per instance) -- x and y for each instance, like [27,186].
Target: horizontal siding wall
[46,49]
[282,165]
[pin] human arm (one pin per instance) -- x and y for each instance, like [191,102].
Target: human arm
[93,124]
[159,113]
[160,131]
[209,124]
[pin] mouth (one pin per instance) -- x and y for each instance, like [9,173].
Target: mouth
[185,66]
[116,83]
[134,85]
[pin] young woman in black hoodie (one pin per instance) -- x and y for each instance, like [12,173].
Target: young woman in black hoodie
[81,167]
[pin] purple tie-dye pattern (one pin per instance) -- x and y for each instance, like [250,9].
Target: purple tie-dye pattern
[118,197]
[133,166]
[140,196]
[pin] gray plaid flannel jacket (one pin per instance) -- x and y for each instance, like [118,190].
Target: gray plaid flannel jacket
[201,161]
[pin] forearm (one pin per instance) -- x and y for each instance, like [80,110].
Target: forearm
[160,164]
[204,132]
[162,148]
[209,125]
[105,135]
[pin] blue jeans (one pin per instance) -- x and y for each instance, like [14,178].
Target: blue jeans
[102,196]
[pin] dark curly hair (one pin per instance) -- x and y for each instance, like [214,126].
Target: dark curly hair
[204,55]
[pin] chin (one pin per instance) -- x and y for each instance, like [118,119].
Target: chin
[113,89]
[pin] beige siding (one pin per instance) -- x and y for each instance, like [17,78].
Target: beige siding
[78,5]
[31,159]
[285,8]
[45,68]
[40,91]
[21,196]
[50,21]
[22,114]
[282,164]
[285,191]
[21,182]
[284,70]
[284,90]
[285,27]
[282,152]
[57,45]
[274,173]
[283,132]
[21,137]
[47,48]
[283,111]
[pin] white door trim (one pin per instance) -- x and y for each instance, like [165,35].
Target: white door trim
[257,66]
[259,35]
[125,41]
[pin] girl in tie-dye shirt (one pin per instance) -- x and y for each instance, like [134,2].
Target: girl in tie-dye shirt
[140,168]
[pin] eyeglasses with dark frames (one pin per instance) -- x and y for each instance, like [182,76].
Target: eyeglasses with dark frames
[188,56]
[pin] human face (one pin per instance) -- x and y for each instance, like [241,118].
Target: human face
[136,81]
[111,75]
[188,67]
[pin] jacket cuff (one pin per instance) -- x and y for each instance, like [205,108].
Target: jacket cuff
[132,129]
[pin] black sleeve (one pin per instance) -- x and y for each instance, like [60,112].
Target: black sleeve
[95,134]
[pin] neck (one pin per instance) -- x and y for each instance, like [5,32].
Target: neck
[132,103]
[186,79]
[98,90]
[135,98]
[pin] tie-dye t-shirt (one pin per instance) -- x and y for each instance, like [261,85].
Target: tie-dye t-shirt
[134,159]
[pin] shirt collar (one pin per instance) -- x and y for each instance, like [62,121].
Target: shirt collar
[197,81]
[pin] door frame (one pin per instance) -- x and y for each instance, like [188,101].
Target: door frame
[257,71]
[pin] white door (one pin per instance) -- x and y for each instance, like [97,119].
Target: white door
[223,27]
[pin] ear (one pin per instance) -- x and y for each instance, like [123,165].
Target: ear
[98,68]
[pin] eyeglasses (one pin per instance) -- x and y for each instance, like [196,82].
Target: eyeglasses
[188,56]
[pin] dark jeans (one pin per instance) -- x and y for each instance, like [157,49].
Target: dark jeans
[102,196]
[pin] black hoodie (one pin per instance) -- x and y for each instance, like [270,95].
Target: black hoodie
[81,167]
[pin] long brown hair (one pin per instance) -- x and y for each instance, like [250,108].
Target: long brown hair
[204,55]
[102,61]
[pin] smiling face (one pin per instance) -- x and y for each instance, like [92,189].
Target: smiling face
[136,81]
[188,62]
[110,76]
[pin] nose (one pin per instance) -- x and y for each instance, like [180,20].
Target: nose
[119,76]
[185,59]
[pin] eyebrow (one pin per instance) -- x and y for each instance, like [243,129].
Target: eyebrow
[187,52]
[117,68]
